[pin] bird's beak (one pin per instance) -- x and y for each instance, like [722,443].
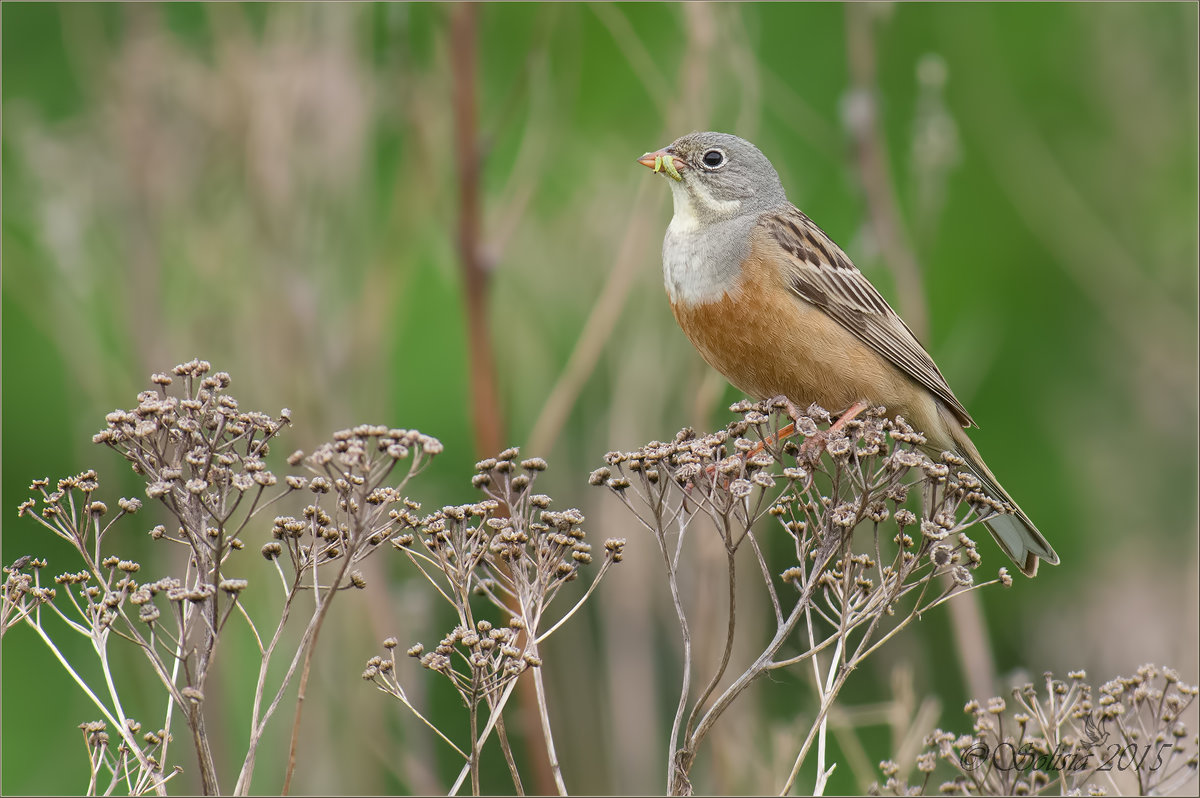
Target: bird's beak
[662,161]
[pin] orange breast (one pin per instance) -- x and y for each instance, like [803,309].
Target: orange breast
[767,341]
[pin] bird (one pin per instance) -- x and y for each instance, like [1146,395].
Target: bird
[773,304]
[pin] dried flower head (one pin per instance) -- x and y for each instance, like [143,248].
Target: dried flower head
[1061,734]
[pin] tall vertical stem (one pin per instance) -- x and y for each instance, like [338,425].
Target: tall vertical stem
[485,395]
[485,405]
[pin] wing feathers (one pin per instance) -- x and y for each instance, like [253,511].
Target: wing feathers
[822,275]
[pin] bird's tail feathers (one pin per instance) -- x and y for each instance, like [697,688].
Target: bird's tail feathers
[1015,534]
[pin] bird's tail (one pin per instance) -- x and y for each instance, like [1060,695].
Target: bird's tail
[1015,534]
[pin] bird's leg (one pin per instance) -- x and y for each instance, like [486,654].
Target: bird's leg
[785,431]
[790,429]
[810,450]
[851,413]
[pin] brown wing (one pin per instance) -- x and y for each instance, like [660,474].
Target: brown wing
[822,275]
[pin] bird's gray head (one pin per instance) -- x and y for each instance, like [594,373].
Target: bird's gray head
[717,176]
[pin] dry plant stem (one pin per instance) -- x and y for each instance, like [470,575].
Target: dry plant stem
[822,691]
[830,694]
[201,458]
[473,709]
[840,478]
[493,718]
[208,768]
[826,693]
[485,394]
[302,652]
[308,647]
[509,760]
[117,722]
[171,702]
[547,735]
[99,641]
[195,710]
[517,554]
[257,725]
[172,699]
[674,770]
[359,531]
[760,666]
[485,398]
[670,561]
[763,663]
[731,624]
[94,760]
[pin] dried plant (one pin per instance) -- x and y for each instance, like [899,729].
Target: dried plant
[1131,738]
[876,530]
[516,554]
[202,460]
[840,594]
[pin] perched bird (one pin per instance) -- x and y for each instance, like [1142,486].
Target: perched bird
[773,304]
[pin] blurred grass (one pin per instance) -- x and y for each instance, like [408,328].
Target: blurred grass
[271,187]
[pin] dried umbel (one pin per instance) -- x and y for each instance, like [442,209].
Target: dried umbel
[354,508]
[1126,737]
[115,760]
[515,554]
[21,592]
[203,460]
[878,531]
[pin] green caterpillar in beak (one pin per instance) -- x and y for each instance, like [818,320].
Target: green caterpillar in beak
[667,165]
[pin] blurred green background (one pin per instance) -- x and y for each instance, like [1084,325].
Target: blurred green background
[273,188]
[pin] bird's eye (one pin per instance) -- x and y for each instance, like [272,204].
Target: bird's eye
[713,159]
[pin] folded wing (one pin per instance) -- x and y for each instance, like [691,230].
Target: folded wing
[822,275]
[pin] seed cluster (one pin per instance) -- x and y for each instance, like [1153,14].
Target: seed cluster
[876,523]
[203,460]
[355,509]
[509,551]
[820,486]
[1129,728]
